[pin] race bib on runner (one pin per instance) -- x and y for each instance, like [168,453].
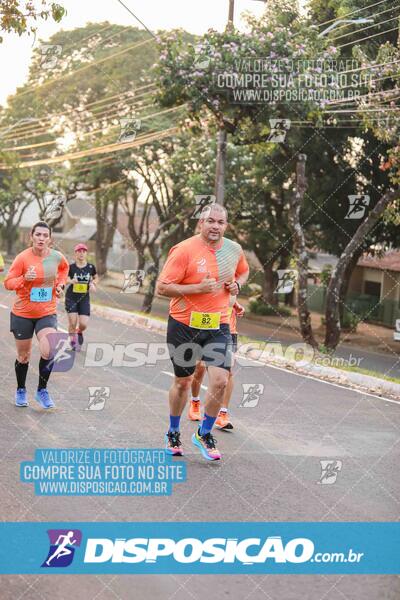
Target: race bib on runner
[41,294]
[79,288]
[200,320]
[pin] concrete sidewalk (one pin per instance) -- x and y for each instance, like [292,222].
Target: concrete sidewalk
[372,347]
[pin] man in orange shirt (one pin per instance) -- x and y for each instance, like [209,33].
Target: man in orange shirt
[200,275]
[38,277]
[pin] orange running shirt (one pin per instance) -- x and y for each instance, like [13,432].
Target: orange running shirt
[51,270]
[189,262]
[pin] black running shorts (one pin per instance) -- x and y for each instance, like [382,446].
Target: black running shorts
[78,304]
[188,345]
[23,327]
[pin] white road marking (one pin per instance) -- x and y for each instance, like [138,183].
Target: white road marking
[256,362]
[203,387]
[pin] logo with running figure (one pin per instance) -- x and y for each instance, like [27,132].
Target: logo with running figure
[133,280]
[63,543]
[358,204]
[286,282]
[329,471]
[251,394]
[278,130]
[97,397]
[129,128]
[62,356]
[203,201]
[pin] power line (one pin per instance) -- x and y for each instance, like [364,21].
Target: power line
[89,133]
[24,128]
[365,28]
[61,134]
[373,16]
[88,37]
[90,119]
[49,121]
[351,13]
[137,18]
[368,37]
[83,68]
[368,95]
[106,149]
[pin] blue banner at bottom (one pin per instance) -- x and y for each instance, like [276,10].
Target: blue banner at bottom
[199,548]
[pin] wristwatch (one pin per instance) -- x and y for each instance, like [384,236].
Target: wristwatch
[239,286]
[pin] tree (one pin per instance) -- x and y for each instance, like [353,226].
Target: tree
[334,292]
[78,105]
[20,17]
[191,73]
[13,201]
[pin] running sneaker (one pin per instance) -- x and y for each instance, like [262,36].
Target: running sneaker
[207,445]
[20,397]
[80,338]
[43,397]
[223,421]
[194,410]
[173,443]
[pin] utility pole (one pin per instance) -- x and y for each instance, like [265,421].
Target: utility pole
[231,12]
[300,247]
[222,135]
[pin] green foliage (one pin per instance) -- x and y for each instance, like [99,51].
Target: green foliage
[326,274]
[350,321]
[191,72]
[19,17]
[257,306]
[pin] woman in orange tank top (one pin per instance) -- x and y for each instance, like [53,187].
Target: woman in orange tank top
[38,277]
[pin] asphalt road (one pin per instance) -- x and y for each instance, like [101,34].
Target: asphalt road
[387,363]
[269,471]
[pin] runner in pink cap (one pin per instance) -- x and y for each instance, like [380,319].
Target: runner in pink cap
[82,279]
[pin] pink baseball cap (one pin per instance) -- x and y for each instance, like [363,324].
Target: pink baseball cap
[80,247]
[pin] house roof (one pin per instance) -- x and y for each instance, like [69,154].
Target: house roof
[83,231]
[389,262]
[80,207]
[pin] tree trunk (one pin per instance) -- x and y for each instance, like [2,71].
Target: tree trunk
[346,281]
[220,169]
[268,290]
[141,261]
[301,253]
[153,275]
[333,296]
[105,230]
[10,236]
[101,260]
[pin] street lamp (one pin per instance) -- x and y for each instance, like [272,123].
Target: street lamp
[336,23]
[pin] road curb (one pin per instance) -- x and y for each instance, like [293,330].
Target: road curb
[367,383]
[124,316]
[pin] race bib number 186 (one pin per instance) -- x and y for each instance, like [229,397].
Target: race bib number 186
[41,294]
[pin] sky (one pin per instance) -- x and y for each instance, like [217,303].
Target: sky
[196,16]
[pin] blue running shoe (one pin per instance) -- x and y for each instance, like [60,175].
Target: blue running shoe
[43,397]
[20,397]
[207,445]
